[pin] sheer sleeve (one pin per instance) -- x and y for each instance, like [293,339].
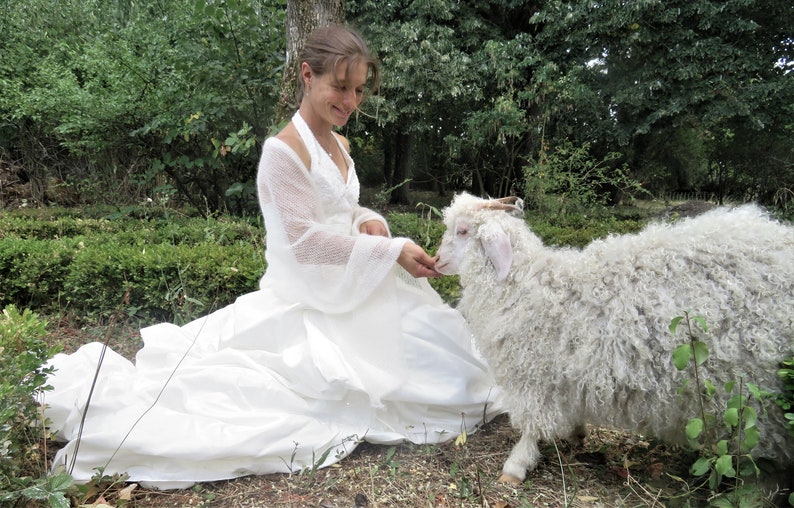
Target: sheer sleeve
[315,253]
[362,215]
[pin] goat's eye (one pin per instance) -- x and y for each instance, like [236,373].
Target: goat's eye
[462,231]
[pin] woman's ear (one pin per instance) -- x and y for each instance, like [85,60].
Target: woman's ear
[306,73]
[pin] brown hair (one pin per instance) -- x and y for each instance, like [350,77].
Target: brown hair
[328,46]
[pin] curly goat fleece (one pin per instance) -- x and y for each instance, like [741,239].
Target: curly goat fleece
[577,337]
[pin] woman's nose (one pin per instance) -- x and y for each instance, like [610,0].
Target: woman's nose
[350,97]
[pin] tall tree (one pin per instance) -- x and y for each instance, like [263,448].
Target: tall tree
[303,16]
[429,79]
[108,96]
[653,67]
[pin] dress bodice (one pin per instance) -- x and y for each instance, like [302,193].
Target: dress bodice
[338,198]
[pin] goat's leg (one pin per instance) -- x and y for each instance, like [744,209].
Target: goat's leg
[524,455]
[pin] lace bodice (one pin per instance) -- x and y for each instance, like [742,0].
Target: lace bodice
[338,198]
[315,253]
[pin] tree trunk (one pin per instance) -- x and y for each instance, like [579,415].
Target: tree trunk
[303,16]
[35,160]
[402,152]
[388,156]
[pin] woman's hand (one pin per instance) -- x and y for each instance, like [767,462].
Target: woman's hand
[374,228]
[417,262]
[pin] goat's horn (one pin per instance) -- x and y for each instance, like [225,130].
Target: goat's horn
[510,203]
[512,200]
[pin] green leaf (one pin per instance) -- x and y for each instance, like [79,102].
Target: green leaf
[59,500]
[756,392]
[681,356]
[35,492]
[710,388]
[751,438]
[731,417]
[674,324]
[750,417]
[747,467]
[737,401]
[60,482]
[701,352]
[724,466]
[694,427]
[721,448]
[714,479]
[700,467]
[721,502]
[701,321]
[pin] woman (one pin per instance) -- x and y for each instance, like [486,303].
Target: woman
[344,342]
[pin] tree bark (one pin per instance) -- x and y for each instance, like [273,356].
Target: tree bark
[303,16]
[402,152]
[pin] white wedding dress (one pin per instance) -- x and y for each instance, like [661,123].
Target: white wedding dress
[339,345]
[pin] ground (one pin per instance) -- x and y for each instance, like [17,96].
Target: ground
[611,469]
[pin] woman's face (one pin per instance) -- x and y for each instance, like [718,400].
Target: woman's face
[334,96]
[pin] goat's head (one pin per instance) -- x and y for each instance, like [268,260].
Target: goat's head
[468,227]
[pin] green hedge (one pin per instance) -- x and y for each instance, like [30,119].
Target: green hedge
[176,268]
[157,270]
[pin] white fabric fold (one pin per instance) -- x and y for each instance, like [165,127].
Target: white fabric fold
[338,345]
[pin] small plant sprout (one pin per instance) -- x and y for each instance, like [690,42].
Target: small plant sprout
[723,436]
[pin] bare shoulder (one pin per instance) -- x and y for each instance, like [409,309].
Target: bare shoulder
[344,141]
[289,135]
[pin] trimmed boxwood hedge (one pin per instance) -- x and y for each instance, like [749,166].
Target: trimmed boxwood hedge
[155,269]
[173,267]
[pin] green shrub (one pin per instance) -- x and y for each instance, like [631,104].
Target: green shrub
[723,436]
[155,269]
[48,227]
[33,271]
[179,268]
[424,229]
[22,377]
[161,281]
[580,232]
[569,179]
[786,399]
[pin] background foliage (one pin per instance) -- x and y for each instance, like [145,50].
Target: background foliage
[126,101]
[23,352]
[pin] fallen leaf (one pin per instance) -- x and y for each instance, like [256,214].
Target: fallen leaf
[502,504]
[125,494]
[655,470]
[620,471]
[587,499]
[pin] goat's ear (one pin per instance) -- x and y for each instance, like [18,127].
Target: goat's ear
[498,249]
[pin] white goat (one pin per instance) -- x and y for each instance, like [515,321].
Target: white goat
[577,337]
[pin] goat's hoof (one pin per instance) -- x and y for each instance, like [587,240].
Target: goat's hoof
[508,478]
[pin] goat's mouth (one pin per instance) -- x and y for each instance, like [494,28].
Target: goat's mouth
[443,268]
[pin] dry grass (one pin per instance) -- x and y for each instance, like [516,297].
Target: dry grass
[445,476]
[615,470]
